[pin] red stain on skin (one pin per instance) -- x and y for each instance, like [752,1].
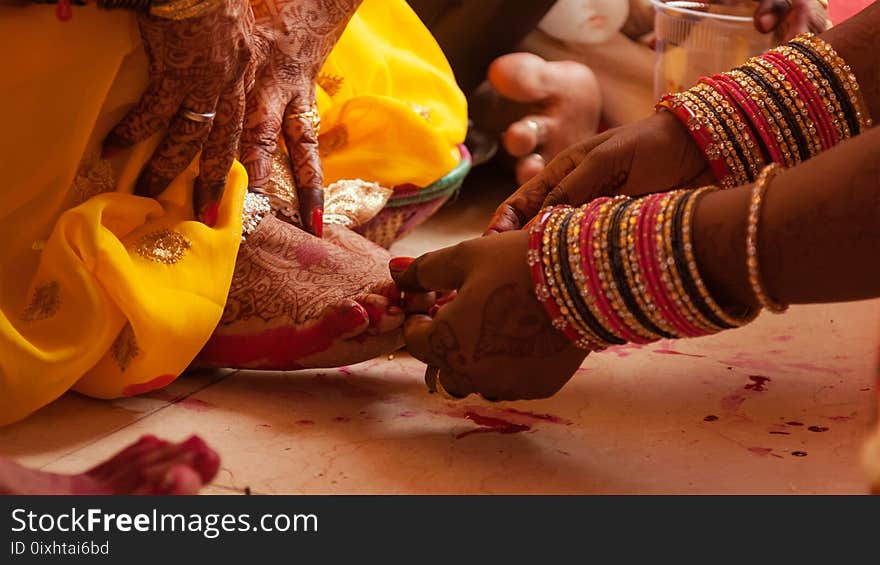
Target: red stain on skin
[491,425]
[141,388]
[311,253]
[758,383]
[624,350]
[779,433]
[841,418]
[281,348]
[345,371]
[799,453]
[793,423]
[783,338]
[544,417]
[710,418]
[264,426]
[408,414]
[341,419]
[760,450]
[305,422]
[674,352]
[818,429]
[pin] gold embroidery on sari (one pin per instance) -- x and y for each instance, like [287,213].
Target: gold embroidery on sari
[330,83]
[45,302]
[125,347]
[353,203]
[163,246]
[280,189]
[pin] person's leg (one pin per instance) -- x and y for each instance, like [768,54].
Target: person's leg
[297,302]
[149,466]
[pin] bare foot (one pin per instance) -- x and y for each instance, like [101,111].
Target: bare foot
[149,466]
[546,107]
[298,302]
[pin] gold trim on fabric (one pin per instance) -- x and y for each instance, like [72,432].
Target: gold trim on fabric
[354,202]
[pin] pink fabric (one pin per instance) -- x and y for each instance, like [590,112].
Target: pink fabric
[840,10]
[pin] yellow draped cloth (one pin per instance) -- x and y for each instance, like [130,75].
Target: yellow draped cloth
[112,294]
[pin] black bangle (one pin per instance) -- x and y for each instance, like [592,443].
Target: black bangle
[792,124]
[572,288]
[681,264]
[829,76]
[617,272]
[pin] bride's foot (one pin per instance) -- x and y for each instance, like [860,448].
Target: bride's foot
[297,302]
[150,466]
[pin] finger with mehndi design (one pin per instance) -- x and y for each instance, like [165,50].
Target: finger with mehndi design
[302,145]
[194,62]
[293,39]
[217,154]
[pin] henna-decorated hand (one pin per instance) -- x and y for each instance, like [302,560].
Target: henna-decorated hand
[293,38]
[199,65]
[495,338]
[650,155]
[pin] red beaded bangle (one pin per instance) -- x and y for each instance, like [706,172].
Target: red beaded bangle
[692,123]
[756,118]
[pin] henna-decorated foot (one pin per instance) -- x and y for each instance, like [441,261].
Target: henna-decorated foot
[149,466]
[298,302]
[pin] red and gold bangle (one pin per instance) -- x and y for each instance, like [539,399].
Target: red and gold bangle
[828,98]
[808,94]
[754,115]
[737,122]
[844,73]
[538,259]
[797,106]
[701,133]
[727,142]
[772,114]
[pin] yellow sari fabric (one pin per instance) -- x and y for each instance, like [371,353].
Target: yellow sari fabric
[112,294]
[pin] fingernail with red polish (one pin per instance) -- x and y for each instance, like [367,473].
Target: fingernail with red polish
[209,213]
[400,264]
[318,221]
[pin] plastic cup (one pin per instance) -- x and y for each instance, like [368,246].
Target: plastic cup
[695,39]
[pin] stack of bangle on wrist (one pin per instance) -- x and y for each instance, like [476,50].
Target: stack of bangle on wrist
[784,107]
[623,270]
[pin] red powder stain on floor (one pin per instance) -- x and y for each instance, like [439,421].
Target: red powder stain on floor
[732,402]
[195,405]
[305,422]
[813,368]
[624,350]
[491,425]
[758,383]
[341,419]
[760,450]
[545,417]
[674,352]
[141,388]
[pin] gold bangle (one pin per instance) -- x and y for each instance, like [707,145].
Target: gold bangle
[755,205]
[183,9]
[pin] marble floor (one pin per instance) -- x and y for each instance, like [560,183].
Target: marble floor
[781,406]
